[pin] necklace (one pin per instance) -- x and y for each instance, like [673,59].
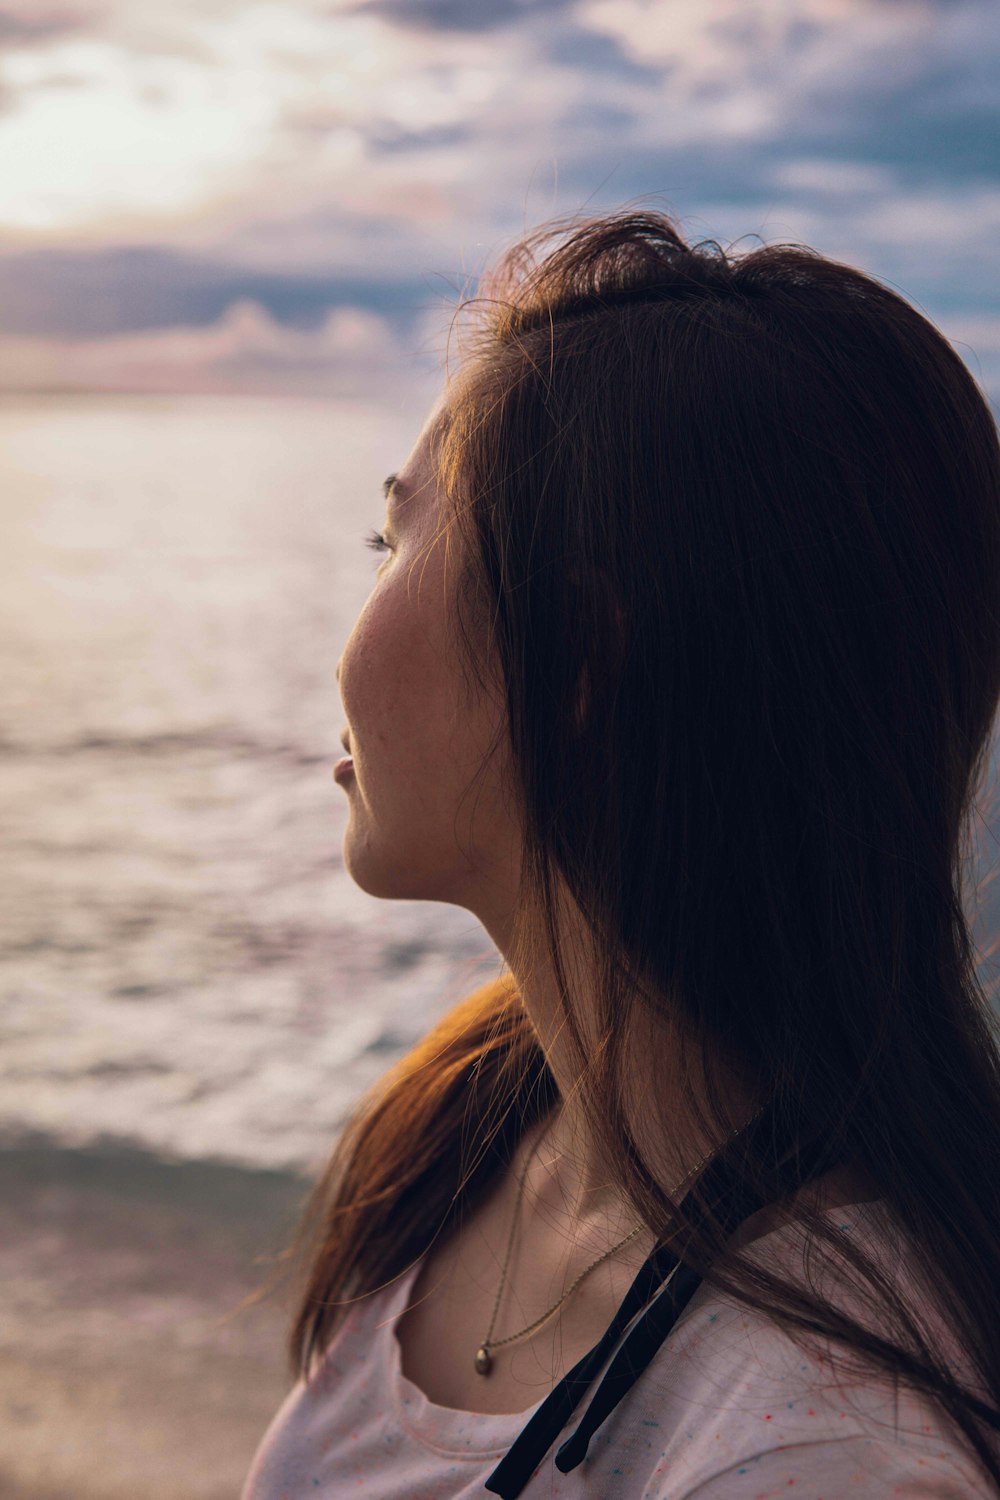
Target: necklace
[484,1359]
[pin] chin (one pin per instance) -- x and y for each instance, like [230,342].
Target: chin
[397,873]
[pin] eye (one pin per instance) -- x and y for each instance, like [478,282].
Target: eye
[377,542]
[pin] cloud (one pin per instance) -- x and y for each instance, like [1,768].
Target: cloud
[303,154]
[191,128]
[460,15]
[937,245]
[94,293]
[34,22]
[869,76]
[814,175]
[202,125]
[353,353]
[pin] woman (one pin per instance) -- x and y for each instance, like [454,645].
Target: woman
[679,673]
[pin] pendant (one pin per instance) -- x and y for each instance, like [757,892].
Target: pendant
[484,1360]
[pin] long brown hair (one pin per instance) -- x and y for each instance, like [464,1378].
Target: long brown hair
[752,503]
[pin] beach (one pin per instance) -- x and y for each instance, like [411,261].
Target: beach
[121,1374]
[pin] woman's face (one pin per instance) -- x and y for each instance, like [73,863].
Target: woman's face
[412,831]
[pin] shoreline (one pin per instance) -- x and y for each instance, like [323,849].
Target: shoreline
[124,1368]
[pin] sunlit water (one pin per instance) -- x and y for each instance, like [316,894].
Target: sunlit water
[185,964]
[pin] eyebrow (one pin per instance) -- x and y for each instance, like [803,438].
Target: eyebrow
[389,484]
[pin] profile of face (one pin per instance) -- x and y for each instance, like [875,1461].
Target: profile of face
[415,829]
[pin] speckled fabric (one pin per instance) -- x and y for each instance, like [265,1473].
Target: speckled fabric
[729,1409]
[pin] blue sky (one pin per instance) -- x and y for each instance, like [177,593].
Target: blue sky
[199,195]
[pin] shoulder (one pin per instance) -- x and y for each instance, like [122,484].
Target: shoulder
[863,1467]
[736,1405]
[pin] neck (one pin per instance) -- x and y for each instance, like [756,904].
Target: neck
[562,1228]
[564,1175]
[569,1182]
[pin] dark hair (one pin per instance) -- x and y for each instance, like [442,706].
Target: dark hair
[751,503]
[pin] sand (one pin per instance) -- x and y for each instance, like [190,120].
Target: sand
[118,1375]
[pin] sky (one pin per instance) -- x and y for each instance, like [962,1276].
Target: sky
[291,197]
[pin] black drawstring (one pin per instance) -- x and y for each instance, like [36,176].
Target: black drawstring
[536,1437]
[629,1363]
[733,1203]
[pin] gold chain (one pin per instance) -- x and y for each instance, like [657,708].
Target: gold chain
[484,1359]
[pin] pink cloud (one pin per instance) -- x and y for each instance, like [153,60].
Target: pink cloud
[353,352]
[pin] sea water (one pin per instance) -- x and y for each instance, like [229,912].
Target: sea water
[185,965]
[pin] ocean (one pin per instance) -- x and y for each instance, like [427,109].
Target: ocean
[185,967]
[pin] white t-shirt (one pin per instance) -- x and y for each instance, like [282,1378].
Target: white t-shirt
[728,1409]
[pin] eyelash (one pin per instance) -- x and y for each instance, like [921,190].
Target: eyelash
[377,541]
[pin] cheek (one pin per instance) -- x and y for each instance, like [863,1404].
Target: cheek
[372,671]
[393,683]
